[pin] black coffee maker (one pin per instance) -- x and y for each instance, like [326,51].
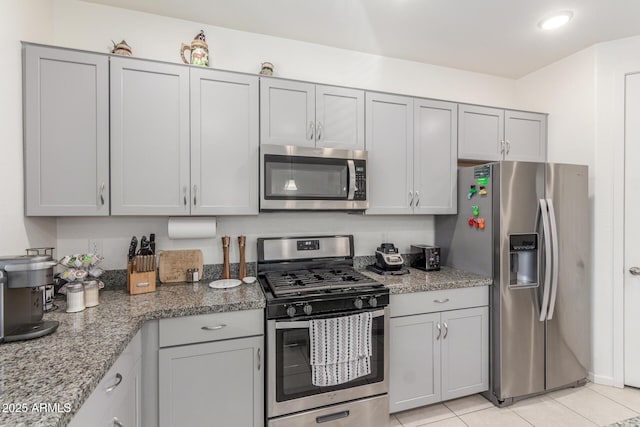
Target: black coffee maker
[22,279]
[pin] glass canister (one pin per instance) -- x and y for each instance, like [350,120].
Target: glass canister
[75,297]
[91,293]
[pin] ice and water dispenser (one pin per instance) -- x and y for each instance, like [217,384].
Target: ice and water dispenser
[523,260]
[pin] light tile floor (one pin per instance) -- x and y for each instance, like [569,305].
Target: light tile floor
[591,405]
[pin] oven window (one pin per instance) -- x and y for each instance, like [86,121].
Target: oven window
[293,370]
[288,177]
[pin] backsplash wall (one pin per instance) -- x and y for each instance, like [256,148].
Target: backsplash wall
[114,233]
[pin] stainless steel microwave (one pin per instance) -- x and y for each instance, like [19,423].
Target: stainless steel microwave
[306,178]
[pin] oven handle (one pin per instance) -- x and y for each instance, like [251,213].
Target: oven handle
[302,324]
[352,179]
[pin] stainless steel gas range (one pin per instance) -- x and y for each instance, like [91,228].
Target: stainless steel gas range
[307,278]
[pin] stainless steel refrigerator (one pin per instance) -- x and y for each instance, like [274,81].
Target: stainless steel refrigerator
[527,226]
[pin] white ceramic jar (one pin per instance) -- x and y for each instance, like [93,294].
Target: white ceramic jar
[75,297]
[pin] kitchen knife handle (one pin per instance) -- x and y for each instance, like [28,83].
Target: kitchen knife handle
[184,192]
[446,330]
[439,331]
[102,194]
[195,194]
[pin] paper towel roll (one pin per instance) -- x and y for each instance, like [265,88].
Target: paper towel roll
[192,228]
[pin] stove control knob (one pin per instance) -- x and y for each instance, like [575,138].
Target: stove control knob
[291,311]
[307,309]
[358,303]
[373,301]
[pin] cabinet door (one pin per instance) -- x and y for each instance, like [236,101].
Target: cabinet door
[465,352]
[217,383]
[66,133]
[435,157]
[414,361]
[389,142]
[127,410]
[525,136]
[287,112]
[339,118]
[149,138]
[480,133]
[224,143]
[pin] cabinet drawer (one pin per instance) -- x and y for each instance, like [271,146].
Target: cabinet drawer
[434,301]
[210,327]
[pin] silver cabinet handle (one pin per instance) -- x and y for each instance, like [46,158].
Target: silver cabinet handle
[311,130]
[411,201]
[501,146]
[117,383]
[441,301]
[259,359]
[213,328]
[117,423]
[319,131]
[439,331]
[417,199]
[184,192]
[446,330]
[195,194]
[102,194]
[508,146]
[634,271]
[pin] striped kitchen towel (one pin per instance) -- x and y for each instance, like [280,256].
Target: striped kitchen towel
[340,349]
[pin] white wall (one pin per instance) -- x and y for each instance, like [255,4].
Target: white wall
[19,20]
[91,27]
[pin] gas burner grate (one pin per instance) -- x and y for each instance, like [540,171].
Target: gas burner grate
[303,281]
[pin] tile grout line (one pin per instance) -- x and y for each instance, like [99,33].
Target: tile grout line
[579,414]
[523,418]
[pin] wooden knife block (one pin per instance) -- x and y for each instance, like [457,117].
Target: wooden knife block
[140,283]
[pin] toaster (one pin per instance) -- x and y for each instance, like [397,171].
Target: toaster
[427,257]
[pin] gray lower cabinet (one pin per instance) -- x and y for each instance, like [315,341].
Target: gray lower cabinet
[116,401]
[66,132]
[492,134]
[219,381]
[224,143]
[412,155]
[438,355]
[149,138]
[305,114]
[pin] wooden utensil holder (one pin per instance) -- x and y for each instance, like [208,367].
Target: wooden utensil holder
[140,282]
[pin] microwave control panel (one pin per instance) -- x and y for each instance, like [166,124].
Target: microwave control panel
[361,180]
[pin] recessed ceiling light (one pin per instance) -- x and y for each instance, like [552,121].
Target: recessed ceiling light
[556,20]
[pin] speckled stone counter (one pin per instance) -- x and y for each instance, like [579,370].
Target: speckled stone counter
[422,281]
[66,366]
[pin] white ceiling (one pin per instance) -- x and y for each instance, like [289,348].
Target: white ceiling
[498,37]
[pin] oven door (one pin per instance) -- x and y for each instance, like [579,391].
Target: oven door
[302,178]
[289,386]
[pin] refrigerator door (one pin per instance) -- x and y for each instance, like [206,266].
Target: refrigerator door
[518,364]
[567,343]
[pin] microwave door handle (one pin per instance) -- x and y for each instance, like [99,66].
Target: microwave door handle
[352,179]
[304,324]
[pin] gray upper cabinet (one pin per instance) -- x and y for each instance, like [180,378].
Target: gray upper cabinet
[149,138]
[66,132]
[435,157]
[304,114]
[389,135]
[412,155]
[525,136]
[224,143]
[492,134]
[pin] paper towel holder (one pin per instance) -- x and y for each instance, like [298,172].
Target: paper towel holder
[202,227]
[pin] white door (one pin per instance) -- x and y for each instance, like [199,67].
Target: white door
[632,233]
[480,133]
[339,117]
[525,136]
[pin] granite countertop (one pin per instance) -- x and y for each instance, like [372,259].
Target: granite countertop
[66,366]
[422,281]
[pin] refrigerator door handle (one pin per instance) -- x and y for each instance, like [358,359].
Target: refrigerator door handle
[547,253]
[554,265]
